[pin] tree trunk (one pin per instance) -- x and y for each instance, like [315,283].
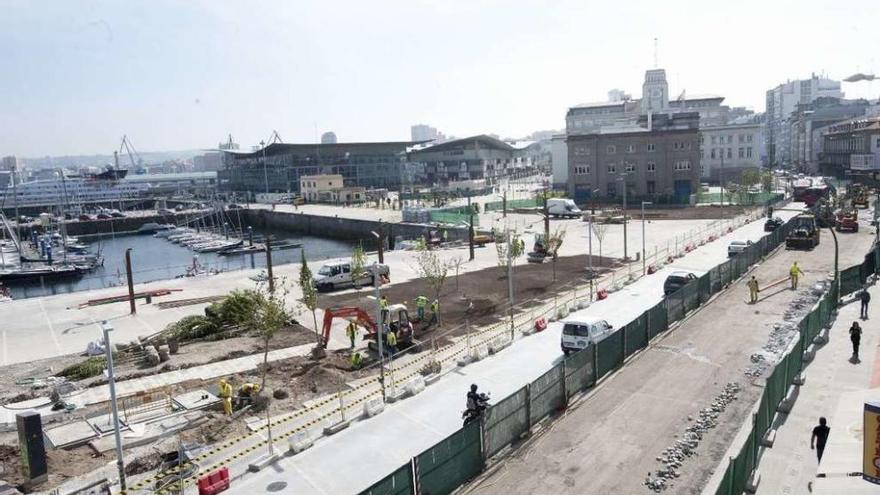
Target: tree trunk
[265,364]
[315,321]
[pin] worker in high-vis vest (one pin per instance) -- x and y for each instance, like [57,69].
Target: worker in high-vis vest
[356,360]
[383,306]
[753,290]
[435,312]
[421,302]
[391,341]
[225,395]
[793,272]
[351,332]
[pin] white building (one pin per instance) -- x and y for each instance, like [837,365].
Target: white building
[782,101]
[329,188]
[422,132]
[559,160]
[732,148]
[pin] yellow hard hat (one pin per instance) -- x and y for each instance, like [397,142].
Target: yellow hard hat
[223,381]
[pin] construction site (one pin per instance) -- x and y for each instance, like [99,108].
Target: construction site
[202,390]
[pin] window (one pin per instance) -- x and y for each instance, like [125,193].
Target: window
[581,169]
[611,189]
[748,138]
[629,167]
[579,151]
[682,165]
[650,146]
[729,139]
[749,152]
[631,148]
[675,145]
[612,168]
[651,167]
[741,138]
[713,139]
[729,152]
[611,149]
[652,187]
[713,153]
[742,153]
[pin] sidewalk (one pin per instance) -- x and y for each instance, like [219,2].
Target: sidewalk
[835,388]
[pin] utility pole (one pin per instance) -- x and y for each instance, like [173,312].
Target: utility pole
[470,229]
[107,328]
[546,219]
[130,278]
[590,250]
[381,240]
[265,170]
[504,204]
[644,257]
[379,327]
[721,177]
[625,255]
[269,263]
[510,278]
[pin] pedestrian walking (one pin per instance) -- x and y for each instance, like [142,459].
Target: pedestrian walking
[855,336]
[820,436]
[351,332]
[753,290]
[865,298]
[794,272]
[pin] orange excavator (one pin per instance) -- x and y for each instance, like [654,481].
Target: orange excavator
[397,314]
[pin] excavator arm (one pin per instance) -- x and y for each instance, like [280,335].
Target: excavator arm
[359,315]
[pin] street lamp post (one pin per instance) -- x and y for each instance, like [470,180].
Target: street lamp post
[623,180]
[644,257]
[106,328]
[590,252]
[380,327]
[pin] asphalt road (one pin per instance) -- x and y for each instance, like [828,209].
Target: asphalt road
[609,441]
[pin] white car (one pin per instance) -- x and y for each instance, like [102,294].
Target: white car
[736,247]
[579,334]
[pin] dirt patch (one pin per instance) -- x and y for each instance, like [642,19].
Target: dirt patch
[697,213]
[63,465]
[486,289]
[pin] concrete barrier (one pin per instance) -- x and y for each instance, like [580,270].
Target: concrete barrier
[374,406]
[414,385]
[500,342]
[299,442]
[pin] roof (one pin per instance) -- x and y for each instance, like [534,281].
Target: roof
[599,104]
[484,139]
[171,177]
[281,148]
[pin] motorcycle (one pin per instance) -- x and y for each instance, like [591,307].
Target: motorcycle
[472,414]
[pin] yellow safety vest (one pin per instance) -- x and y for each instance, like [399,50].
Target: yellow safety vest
[794,271]
[383,303]
[392,339]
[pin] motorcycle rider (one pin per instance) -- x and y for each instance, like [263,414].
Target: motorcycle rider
[476,404]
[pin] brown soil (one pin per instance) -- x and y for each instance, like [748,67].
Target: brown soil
[487,290]
[63,465]
[701,213]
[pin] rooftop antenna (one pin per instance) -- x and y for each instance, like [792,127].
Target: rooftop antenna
[655,53]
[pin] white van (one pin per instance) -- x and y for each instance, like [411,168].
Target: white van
[578,334]
[337,275]
[561,207]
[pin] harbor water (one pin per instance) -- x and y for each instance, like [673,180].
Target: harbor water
[159,259]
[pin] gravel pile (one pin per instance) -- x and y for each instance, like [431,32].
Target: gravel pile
[686,445]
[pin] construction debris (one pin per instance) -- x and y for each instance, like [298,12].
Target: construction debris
[673,457]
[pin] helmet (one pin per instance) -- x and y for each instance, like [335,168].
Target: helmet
[473,388]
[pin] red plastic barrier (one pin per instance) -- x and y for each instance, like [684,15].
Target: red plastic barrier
[214,482]
[540,325]
[601,294]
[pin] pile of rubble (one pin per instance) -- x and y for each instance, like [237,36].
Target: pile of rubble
[686,445]
[784,333]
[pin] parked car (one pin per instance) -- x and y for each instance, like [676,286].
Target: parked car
[84,217]
[68,216]
[677,280]
[104,216]
[233,206]
[117,214]
[578,334]
[338,276]
[737,246]
[165,211]
[772,224]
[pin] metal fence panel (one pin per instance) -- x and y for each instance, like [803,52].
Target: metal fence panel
[674,307]
[690,296]
[400,482]
[704,288]
[850,280]
[725,270]
[547,394]
[505,422]
[636,334]
[657,322]
[610,353]
[451,462]
[579,371]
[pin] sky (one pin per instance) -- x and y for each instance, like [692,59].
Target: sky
[76,75]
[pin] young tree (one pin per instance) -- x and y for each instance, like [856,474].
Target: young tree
[750,177]
[456,262]
[553,245]
[310,293]
[516,247]
[269,315]
[358,265]
[432,269]
[599,230]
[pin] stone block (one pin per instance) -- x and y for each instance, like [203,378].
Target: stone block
[414,385]
[753,481]
[372,407]
[821,337]
[336,427]
[800,378]
[769,438]
[299,442]
[164,353]
[264,460]
[432,378]
[479,352]
[499,343]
